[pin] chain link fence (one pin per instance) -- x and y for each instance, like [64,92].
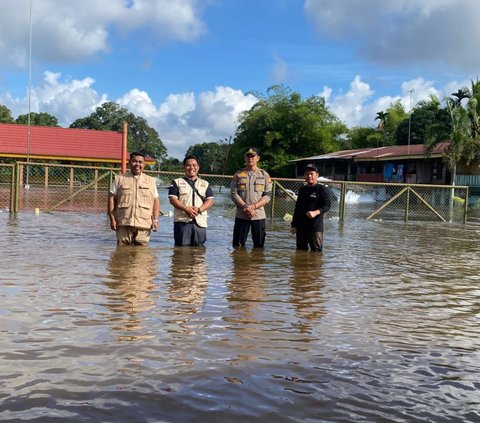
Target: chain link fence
[54,187]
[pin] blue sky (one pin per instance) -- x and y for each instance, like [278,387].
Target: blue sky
[191,66]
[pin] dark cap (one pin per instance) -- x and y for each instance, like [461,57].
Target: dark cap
[252,151]
[310,166]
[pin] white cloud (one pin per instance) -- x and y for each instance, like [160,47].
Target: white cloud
[400,31]
[181,119]
[70,30]
[280,71]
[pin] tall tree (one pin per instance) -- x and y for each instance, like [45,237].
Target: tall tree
[141,137]
[462,133]
[38,119]
[285,127]
[211,156]
[5,115]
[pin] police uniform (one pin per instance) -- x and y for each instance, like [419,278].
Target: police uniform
[247,187]
[188,231]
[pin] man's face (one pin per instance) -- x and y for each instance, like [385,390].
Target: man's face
[137,163]
[251,159]
[191,168]
[311,177]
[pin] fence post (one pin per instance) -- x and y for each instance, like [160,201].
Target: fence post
[272,213]
[407,203]
[465,207]
[341,211]
[15,187]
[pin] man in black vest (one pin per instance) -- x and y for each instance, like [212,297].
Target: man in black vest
[312,202]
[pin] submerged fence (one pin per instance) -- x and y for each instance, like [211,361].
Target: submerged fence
[53,187]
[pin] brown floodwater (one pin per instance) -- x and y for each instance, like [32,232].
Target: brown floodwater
[383,326]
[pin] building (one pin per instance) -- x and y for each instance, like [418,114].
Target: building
[61,145]
[398,163]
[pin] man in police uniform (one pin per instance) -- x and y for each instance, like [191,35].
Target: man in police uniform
[191,197]
[133,204]
[251,189]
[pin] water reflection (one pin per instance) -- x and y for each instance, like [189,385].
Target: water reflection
[188,283]
[132,273]
[306,283]
[247,287]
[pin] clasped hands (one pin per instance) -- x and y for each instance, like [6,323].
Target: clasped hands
[192,211]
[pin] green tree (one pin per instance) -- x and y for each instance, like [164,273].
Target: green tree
[363,137]
[141,137]
[211,156]
[5,115]
[38,119]
[462,132]
[171,164]
[422,116]
[285,127]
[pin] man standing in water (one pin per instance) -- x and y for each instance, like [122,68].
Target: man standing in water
[133,204]
[251,189]
[312,202]
[191,197]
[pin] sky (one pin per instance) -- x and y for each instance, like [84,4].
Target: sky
[190,67]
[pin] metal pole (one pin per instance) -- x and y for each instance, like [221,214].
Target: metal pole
[27,178]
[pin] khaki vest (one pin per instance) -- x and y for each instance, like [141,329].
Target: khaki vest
[135,197]
[189,198]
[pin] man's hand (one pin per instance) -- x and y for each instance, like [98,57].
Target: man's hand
[313,213]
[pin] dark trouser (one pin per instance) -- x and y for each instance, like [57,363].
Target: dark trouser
[241,229]
[189,234]
[306,238]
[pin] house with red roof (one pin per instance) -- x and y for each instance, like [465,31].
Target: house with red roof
[397,163]
[46,143]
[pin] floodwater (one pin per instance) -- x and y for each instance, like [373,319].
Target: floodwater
[384,326]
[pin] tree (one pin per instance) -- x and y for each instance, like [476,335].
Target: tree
[5,115]
[211,156]
[462,132]
[285,127]
[422,116]
[171,164]
[363,137]
[38,119]
[141,137]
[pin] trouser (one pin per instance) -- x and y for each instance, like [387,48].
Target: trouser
[241,229]
[129,235]
[189,234]
[308,238]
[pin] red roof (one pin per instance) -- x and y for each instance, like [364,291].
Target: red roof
[54,143]
[383,153]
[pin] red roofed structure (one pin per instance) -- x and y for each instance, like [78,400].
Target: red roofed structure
[53,143]
[396,163]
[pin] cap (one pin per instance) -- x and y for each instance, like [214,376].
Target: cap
[252,151]
[311,166]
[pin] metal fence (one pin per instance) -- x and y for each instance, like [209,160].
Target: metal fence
[54,187]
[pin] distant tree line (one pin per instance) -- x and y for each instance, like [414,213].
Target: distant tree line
[284,126]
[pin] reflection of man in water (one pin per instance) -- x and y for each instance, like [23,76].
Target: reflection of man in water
[188,278]
[306,289]
[132,271]
[247,287]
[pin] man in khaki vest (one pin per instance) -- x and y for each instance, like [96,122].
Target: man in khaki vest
[192,197]
[133,204]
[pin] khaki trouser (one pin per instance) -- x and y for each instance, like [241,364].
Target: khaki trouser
[129,235]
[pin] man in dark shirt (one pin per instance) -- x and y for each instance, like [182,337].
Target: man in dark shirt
[312,202]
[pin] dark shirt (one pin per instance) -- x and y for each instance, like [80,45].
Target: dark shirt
[311,197]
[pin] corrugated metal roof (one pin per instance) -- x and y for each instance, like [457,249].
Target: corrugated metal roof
[394,151]
[60,142]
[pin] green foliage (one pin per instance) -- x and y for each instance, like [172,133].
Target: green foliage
[364,137]
[283,126]
[171,164]
[141,137]
[211,156]
[38,119]
[5,115]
